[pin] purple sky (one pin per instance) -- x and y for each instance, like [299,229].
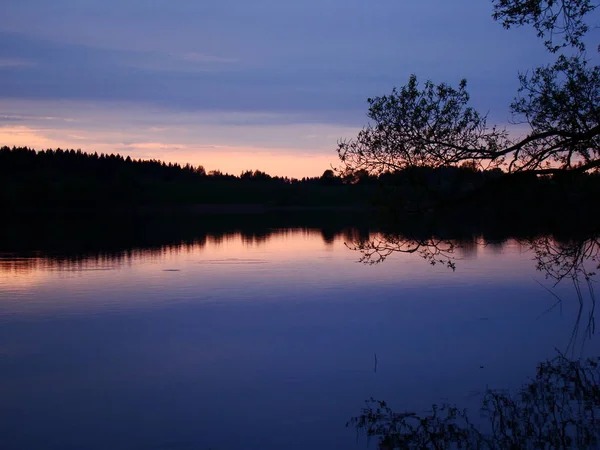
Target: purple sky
[234,85]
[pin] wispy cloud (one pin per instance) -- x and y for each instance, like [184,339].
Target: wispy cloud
[14,62]
[151,146]
[203,58]
[10,119]
[77,137]
[228,142]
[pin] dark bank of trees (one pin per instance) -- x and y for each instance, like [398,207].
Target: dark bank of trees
[68,179]
[52,179]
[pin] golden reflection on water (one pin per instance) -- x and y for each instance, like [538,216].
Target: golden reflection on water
[201,269]
[289,243]
[280,244]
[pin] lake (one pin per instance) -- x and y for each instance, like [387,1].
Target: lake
[265,339]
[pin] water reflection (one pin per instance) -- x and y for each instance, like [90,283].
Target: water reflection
[573,261]
[558,408]
[96,245]
[168,326]
[558,258]
[434,250]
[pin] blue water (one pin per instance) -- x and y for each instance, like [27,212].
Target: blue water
[269,343]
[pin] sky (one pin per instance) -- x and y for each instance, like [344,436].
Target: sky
[235,85]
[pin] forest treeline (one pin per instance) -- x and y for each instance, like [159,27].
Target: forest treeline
[75,179]
[72,179]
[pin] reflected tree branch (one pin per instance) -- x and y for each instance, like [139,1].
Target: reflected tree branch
[558,408]
[377,250]
[560,260]
[577,260]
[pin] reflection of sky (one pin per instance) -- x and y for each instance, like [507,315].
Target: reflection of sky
[260,344]
[272,264]
[263,85]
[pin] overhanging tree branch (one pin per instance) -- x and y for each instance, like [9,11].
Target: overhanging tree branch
[434,125]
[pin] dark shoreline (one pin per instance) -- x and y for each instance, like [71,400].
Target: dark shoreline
[84,232]
[199,209]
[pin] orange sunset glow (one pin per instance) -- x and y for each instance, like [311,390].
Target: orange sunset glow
[227,159]
[231,143]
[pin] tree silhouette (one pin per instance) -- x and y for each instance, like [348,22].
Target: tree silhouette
[557,408]
[427,124]
[48,180]
[376,250]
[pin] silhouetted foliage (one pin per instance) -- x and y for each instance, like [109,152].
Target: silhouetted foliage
[376,250]
[53,179]
[576,258]
[428,125]
[552,19]
[557,409]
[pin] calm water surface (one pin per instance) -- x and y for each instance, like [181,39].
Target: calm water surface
[268,342]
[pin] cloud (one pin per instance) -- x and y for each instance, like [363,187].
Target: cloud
[200,58]
[184,63]
[151,146]
[185,137]
[14,62]
[77,137]
[10,119]
[321,57]
[72,72]
[22,136]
